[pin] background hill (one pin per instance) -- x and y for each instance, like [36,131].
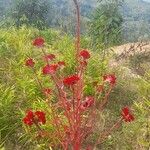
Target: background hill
[136,16]
[135,13]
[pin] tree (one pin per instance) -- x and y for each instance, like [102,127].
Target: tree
[31,12]
[4,8]
[105,27]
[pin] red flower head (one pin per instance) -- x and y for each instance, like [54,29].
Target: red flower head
[71,80]
[49,57]
[127,116]
[40,116]
[89,101]
[29,118]
[61,63]
[110,78]
[47,91]
[27,121]
[29,62]
[50,69]
[85,54]
[30,114]
[39,42]
[37,117]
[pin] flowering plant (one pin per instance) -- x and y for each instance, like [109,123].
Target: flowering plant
[79,111]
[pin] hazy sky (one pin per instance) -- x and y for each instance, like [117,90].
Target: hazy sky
[147,0]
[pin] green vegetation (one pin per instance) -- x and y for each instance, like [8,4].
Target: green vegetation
[19,89]
[106,25]
[136,20]
[37,16]
[60,14]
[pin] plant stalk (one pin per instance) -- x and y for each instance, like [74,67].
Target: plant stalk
[77,45]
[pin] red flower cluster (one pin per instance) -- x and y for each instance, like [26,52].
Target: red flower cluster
[127,116]
[40,116]
[29,62]
[89,101]
[49,57]
[34,117]
[39,42]
[71,80]
[28,119]
[50,69]
[85,54]
[110,78]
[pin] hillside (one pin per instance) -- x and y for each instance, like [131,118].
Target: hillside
[135,13]
[136,16]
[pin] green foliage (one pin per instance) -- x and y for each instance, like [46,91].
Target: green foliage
[31,12]
[105,28]
[19,89]
[140,62]
[136,20]
[8,123]
[140,129]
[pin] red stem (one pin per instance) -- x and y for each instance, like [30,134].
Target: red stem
[62,97]
[77,29]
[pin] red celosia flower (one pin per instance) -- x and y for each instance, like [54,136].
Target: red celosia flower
[73,79]
[28,121]
[110,78]
[29,62]
[29,118]
[127,116]
[41,116]
[50,69]
[39,42]
[30,114]
[61,63]
[47,91]
[125,110]
[49,57]
[37,117]
[85,54]
[89,101]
